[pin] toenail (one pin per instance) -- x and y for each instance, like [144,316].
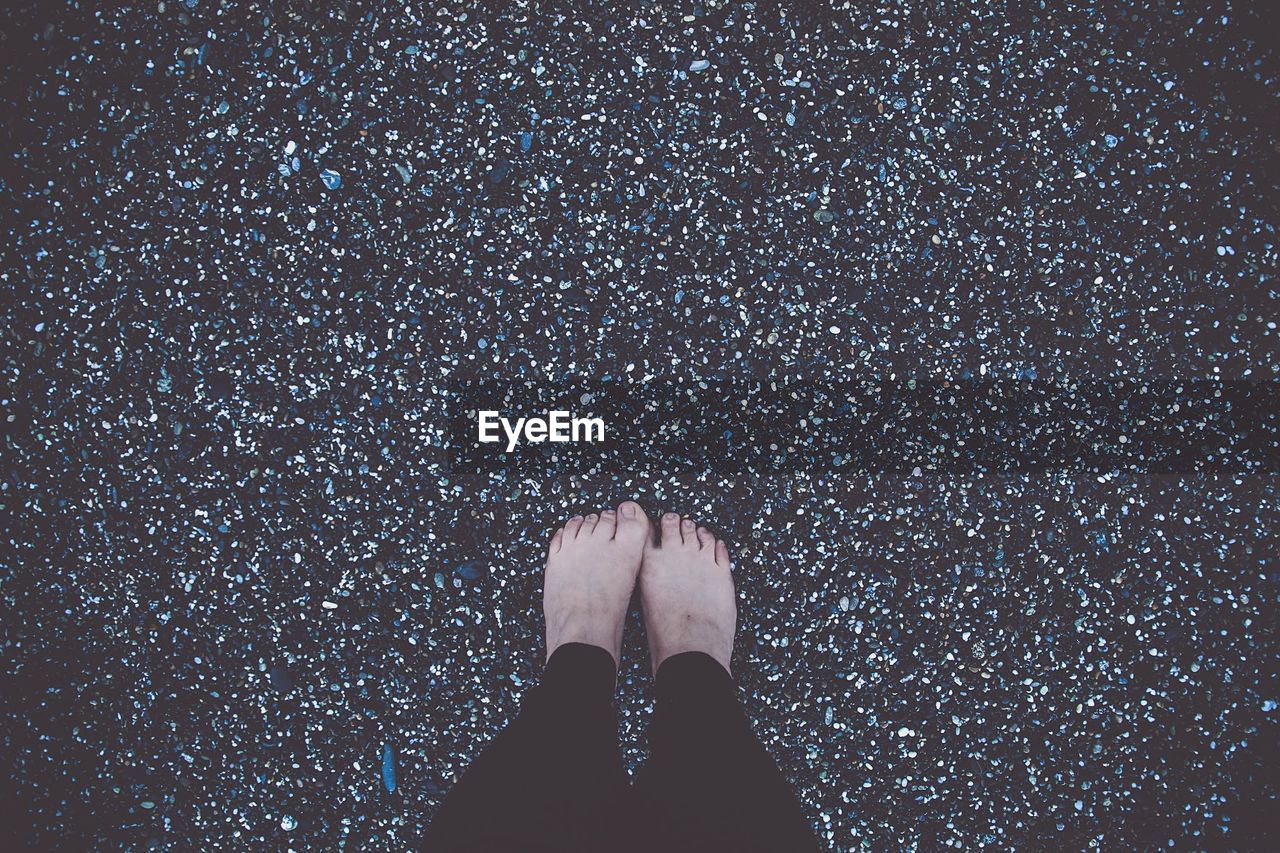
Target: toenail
[671,516]
[629,510]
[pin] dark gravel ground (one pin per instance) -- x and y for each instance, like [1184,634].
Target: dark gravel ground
[255,594]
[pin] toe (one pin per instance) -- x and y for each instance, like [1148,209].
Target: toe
[689,532]
[633,524]
[722,554]
[670,529]
[556,539]
[705,539]
[571,528]
[589,525]
[608,523]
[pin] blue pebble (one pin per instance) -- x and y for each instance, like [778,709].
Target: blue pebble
[388,768]
[331,179]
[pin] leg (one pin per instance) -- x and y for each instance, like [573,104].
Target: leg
[554,779]
[709,784]
[550,780]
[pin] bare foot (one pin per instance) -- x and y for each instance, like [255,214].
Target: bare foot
[687,592]
[591,569]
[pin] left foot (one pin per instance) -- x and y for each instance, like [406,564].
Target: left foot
[592,564]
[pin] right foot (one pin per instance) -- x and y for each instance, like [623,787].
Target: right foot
[686,589]
[591,569]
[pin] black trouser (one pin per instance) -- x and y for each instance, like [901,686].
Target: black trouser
[554,780]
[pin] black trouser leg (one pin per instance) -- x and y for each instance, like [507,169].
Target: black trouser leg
[553,780]
[709,784]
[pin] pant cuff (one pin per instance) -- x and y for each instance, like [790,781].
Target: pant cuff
[582,673]
[696,678]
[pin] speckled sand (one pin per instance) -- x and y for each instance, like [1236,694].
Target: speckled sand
[256,596]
